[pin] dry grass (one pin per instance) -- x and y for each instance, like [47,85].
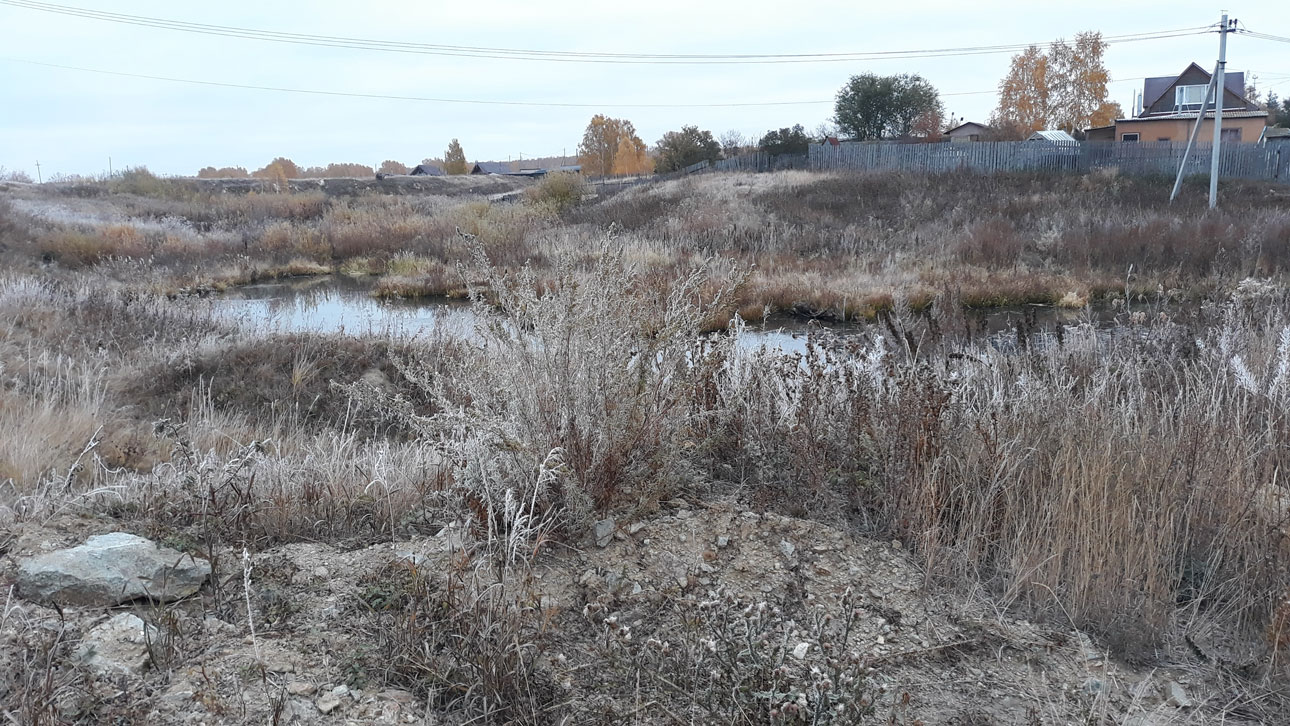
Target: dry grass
[1124,479]
[819,245]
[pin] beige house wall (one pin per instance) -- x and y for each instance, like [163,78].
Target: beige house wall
[1180,129]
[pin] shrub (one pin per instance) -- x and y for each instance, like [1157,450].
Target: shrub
[140,181]
[574,395]
[558,191]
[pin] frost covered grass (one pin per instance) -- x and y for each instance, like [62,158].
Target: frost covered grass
[1158,506]
[1124,479]
[817,245]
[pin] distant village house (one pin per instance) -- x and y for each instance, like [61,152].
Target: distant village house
[1169,106]
[968,131]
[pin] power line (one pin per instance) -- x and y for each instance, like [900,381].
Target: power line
[431,99]
[1265,36]
[428,99]
[529,54]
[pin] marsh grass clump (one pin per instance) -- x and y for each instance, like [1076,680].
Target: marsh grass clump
[143,183]
[576,394]
[558,192]
[971,454]
[471,639]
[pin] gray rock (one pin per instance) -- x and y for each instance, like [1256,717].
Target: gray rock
[604,532]
[787,548]
[1177,695]
[109,569]
[117,645]
[327,702]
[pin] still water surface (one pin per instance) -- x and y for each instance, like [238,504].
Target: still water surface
[338,304]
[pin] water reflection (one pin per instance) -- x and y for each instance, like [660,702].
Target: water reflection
[338,305]
[344,305]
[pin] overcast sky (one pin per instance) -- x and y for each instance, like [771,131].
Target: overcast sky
[71,121]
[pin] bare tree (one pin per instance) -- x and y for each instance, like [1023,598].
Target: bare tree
[732,143]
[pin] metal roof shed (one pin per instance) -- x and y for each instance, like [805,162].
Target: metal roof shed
[1053,136]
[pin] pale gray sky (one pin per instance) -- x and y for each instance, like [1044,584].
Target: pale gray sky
[71,121]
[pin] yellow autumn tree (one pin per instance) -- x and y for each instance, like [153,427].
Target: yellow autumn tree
[1077,80]
[1106,114]
[631,157]
[1064,88]
[454,159]
[1023,94]
[601,143]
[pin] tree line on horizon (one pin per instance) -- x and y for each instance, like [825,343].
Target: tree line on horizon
[1063,87]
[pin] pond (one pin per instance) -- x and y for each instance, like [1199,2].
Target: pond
[339,304]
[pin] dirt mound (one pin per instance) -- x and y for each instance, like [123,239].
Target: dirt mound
[697,615]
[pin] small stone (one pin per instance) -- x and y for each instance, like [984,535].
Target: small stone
[635,527]
[327,702]
[678,503]
[280,664]
[604,532]
[1091,686]
[683,539]
[178,694]
[800,651]
[300,710]
[787,548]
[1177,695]
[118,645]
[895,544]
[321,573]
[636,588]
[723,542]
[398,695]
[301,688]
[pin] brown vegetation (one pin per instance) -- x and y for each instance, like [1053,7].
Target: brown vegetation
[1121,480]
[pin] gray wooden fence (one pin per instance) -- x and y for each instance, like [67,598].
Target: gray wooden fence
[1247,161]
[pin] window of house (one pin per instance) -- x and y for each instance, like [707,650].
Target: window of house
[1233,135]
[1189,98]
[1129,137]
[1164,138]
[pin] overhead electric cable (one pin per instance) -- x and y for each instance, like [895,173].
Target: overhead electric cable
[1265,36]
[529,54]
[430,99]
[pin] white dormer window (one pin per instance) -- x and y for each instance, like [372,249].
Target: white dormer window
[1189,98]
